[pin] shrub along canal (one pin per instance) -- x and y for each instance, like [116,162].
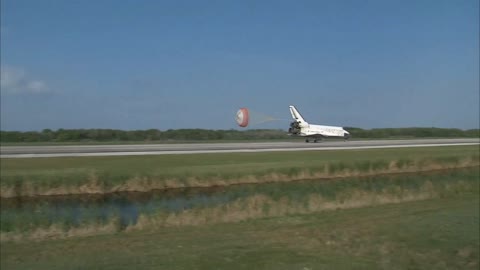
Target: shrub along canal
[58,216]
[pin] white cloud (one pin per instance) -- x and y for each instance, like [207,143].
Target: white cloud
[3,31]
[17,81]
[37,86]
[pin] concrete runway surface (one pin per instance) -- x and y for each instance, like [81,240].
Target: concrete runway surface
[196,148]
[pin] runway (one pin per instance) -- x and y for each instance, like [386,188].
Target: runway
[197,148]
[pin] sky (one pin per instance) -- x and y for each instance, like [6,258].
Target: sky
[192,64]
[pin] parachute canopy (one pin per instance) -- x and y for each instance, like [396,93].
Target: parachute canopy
[242,117]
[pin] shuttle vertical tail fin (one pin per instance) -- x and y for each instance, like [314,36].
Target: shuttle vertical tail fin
[297,116]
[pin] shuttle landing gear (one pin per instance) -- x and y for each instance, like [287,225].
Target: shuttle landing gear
[307,140]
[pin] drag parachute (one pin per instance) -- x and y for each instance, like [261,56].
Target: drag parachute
[242,117]
[247,117]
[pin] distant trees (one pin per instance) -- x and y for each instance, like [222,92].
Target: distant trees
[113,135]
[104,135]
[415,132]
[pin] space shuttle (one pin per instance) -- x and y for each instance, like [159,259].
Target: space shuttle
[300,127]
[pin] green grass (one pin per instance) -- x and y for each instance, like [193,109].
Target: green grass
[289,139]
[170,141]
[67,217]
[181,141]
[65,175]
[431,234]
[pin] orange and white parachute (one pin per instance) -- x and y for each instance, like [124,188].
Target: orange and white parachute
[246,117]
[242,117]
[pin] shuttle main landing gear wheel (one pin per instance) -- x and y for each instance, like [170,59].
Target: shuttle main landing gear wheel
[306,140]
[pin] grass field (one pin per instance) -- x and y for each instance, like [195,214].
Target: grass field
[288,138]
[440,233]
[249,140]
[48,176]
[42,219]
[400,219]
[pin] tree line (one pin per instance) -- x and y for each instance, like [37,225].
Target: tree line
[109,135]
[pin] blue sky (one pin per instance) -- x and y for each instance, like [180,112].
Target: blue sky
[192,64]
